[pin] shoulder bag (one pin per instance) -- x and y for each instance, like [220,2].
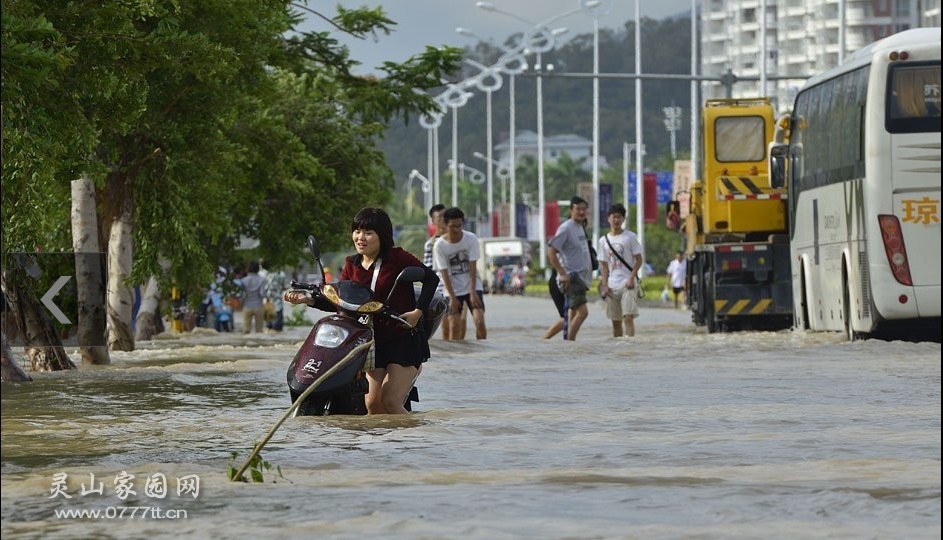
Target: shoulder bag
[638,282]
[593,261]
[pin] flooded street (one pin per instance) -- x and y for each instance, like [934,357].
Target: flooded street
[674,433]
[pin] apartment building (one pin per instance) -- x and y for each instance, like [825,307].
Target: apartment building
[802,38]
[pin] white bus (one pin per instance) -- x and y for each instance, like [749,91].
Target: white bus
[862,164]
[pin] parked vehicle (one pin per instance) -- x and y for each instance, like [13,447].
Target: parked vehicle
[737,244]
[505,252]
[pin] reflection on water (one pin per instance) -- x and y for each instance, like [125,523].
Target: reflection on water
[671,434]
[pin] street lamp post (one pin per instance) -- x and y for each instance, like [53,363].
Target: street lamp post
[467,172]
[511,63]
[627,149]
[640,203]
[425,185]
[454,97]
[488,80]
[541,195]
[473,175]
[598,8]
[453,163]
[541,39]
[503,172]
[431,123]
[595,214]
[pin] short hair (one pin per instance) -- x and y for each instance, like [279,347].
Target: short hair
[617,208]
[254,266]
[377,220]
[453,213]
[436,208]
[577,200]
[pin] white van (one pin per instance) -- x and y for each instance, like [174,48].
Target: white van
[508,252]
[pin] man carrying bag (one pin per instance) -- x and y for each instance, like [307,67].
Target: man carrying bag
[619,280]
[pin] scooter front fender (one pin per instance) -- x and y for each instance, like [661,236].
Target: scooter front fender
[312,361]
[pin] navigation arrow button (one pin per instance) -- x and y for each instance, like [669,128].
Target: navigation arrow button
[50,294]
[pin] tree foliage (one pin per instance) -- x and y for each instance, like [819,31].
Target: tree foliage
[207,121]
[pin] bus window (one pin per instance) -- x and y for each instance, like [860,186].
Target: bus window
[914,98]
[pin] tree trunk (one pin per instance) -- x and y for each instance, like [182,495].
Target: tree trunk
[40,340]
[148,316]
[88,274]
[120,295]
[10,370]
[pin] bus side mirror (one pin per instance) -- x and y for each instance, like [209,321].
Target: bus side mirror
[777,164]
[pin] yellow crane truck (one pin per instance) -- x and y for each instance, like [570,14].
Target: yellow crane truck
[736,242]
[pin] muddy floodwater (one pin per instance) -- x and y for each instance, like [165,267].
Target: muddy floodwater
[675,433]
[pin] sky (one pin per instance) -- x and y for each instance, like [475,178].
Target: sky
[433,22]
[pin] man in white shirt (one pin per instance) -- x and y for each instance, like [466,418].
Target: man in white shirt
[454,256]
[620,262]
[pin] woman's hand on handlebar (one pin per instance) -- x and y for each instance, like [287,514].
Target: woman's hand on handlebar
[298,297]
[412,317]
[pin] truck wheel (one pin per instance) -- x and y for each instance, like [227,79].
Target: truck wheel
[711,319]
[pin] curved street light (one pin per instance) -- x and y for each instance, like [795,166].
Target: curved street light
[502,170]
[475,176]
[539,39]
[489,81]
[426,186]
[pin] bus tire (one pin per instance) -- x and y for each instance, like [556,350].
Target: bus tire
[846,312]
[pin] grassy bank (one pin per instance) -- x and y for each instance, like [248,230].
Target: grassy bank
[653,287]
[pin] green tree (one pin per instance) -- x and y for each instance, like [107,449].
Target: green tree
[199,123]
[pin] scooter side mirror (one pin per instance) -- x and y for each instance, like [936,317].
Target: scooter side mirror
[411,274]
[314,247]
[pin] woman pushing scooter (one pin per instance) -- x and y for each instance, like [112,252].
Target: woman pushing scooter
[399,350]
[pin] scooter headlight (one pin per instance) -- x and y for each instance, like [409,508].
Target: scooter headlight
[330,336]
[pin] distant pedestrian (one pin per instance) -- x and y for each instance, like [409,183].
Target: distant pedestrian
[253,300]
[677,273]
[274,289]
[438,223]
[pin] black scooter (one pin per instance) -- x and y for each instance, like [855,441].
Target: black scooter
[328,372]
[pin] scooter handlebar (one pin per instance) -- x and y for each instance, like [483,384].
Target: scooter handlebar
[314,290]
[305,286]
[396,317]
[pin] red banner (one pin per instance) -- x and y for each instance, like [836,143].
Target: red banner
[551,218]
[650,194]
